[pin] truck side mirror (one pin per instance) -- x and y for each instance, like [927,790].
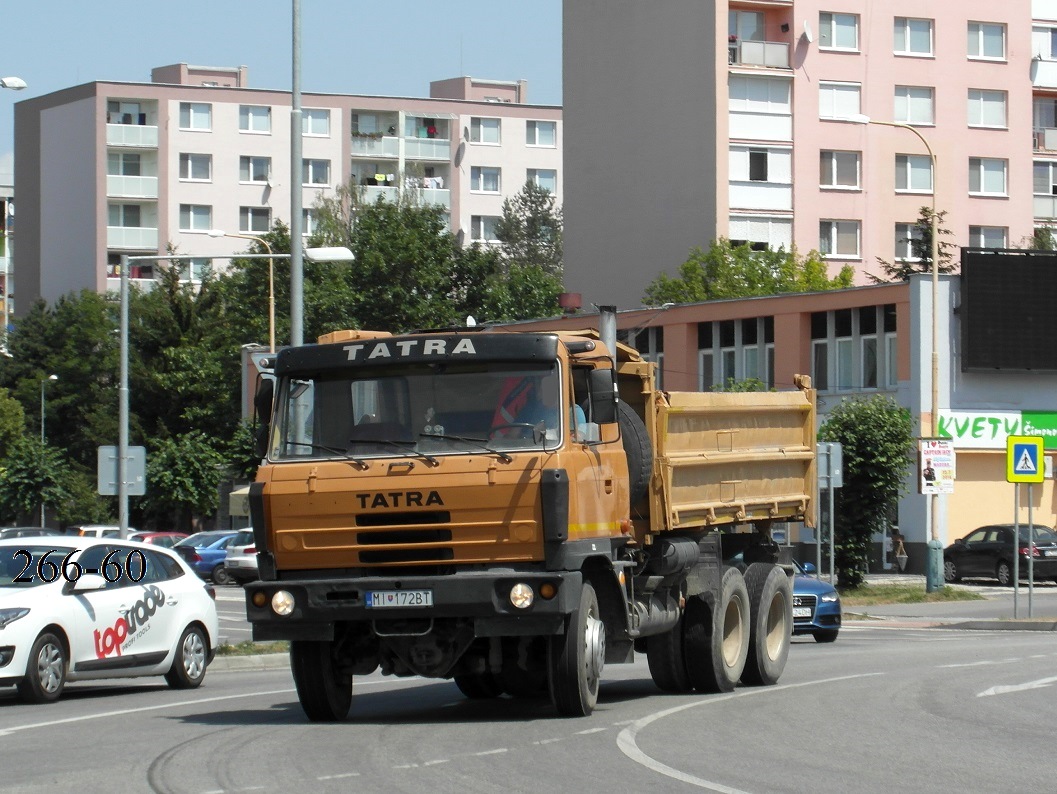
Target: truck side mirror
[262,407]
[603,384]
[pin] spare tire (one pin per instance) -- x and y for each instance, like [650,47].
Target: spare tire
[637,449]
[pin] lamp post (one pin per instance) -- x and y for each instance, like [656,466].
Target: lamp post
[15,84]
[934,565]
[271,279]
[43,383]
[297,278]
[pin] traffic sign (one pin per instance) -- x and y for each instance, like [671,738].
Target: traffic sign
[1024,459]
[135,471]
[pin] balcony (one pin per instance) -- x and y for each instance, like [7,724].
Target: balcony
[768,54]
[1045,207]
[436,196]
[761,196]
[365,146]
[1045,139]
[136,237]
[134,135]
[132,186]
[371,193]
[427,149]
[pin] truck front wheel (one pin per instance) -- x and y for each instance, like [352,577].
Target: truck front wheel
[324,691]
[575,659]
[716,636]
[771,623]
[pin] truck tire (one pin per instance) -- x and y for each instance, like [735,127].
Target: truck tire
[576,657]
[716,636]
[770,623]
[664,653]
[637,449]
[325,692]
[479,686]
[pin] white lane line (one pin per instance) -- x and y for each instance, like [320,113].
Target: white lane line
[1005,690]
[626,739]
[338,777]
[591,730]
[982,663]
[498,751]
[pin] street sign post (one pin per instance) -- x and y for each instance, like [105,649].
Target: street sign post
[830,476]
[1024,463]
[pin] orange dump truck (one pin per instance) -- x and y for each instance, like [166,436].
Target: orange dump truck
[514,511]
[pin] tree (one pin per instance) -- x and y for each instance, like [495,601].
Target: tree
[32,474]
[729,271]
[530,230]
[184,473]
[12,421]
[877,441]
[920,242]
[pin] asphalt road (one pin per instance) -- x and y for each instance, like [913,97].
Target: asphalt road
[926,709]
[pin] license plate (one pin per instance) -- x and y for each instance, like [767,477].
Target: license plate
[379,599]
[801,612]
[1051,552]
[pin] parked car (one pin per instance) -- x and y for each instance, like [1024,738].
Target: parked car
[988,552]
[164,539]
[26,532]
[816,605]
[240,561]
[96,530]
[204,552]
[83,608]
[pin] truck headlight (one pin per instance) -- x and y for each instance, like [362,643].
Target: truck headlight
[522,596]
[282,603]
[12,614]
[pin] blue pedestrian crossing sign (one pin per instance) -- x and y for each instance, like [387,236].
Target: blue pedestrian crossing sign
[1024,459]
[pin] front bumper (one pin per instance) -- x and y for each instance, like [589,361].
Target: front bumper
[480,597]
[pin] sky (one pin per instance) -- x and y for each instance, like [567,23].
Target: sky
[386,47]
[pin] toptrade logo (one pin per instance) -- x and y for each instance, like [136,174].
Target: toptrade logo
[134,624]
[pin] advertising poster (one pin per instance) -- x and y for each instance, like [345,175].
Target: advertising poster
[935,465]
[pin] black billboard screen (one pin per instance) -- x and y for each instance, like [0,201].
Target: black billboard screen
[1008,305]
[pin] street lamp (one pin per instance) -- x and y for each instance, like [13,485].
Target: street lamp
[14,83]
[934,569]
[43,383]
[271,279]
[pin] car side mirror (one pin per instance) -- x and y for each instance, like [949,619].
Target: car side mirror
[603,384]
[809,567]
[85,583]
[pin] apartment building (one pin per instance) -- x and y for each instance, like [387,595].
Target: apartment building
[770,122]
[106,168]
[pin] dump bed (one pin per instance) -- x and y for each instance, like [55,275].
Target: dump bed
[732,457]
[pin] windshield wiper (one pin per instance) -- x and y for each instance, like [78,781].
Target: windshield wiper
[482,442]
[401,445]
[332,450]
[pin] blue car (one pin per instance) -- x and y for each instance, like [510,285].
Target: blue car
[205,552]
[816,605]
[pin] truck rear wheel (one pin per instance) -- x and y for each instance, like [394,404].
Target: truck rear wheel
[664,652]
[770,623]
[324,691]
[575,659]
[716,636]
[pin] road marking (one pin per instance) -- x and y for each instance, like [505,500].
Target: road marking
[982,663]
[338,777]
[499,751]
[1005,690]
[626,739]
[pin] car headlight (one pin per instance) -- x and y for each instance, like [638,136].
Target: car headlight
[11,615]
[829,598]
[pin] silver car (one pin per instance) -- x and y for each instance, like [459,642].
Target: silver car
[240,563]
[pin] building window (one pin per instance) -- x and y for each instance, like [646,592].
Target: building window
[541,133]
[913,105]
[363,124]
[838,100]
[839,239]
[749,94]
[845,349]
[196,217]
[482,228]
[1045,181]
[255,169]
[128,216]
[912,36]
[255,118]
[987,108]
[123,164]
[309,222]
[868,363]
[255,219]
[987,40]
[906,234]
[484,130]
[838,169]
[196,167]
[913,173]
[820,350]
[315,172]
[705,357]
[987,176]
[838,31]
[987,236]
[745,25]
[888,312]
[484,179]
[194,270]
[545,178]
[315,121]
[196,116]
[757,165]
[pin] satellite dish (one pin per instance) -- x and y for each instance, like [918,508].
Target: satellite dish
[466,133]
[808,35]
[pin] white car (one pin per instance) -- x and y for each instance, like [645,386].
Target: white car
[83,608]
[240,562]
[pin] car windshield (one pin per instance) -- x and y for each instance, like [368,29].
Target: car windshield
[19,564]
[202,539]
[418,411]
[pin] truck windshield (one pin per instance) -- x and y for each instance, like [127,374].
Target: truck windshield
[427,409]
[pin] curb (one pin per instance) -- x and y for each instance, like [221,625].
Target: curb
[958,625]
[264,661]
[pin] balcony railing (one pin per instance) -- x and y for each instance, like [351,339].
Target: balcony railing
[131,135]
[145,284]
[1045,139]
[1045,207]
[371,193]
[132,237]
[427,149]
[771,54]
[132,186]
[386,146]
